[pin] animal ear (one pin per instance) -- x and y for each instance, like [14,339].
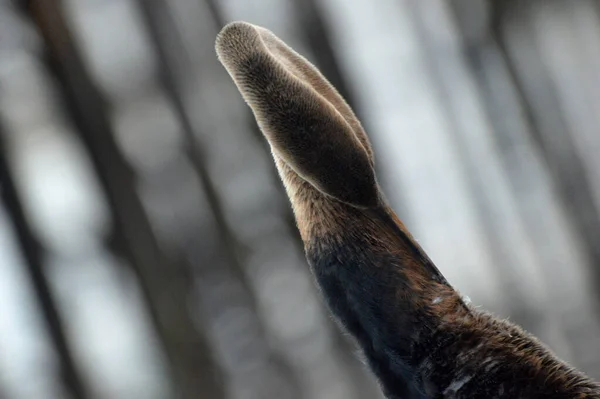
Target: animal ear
[307,123]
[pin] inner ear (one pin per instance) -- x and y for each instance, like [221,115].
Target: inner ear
[310,75]
[307,123]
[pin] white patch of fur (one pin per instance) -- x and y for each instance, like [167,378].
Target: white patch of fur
[456,385]
[490,363]
[437,300]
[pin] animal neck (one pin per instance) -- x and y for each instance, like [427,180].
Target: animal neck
[417,334]
[375,278]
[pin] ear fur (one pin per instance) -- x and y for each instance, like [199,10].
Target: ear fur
[418,335]
[307,123]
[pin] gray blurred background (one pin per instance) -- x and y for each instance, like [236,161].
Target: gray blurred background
[147,249]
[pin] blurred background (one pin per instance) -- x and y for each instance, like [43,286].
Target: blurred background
[147,249]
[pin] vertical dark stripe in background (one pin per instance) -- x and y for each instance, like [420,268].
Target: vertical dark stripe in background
[34,256]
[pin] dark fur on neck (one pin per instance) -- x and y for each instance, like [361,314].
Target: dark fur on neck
[419,337]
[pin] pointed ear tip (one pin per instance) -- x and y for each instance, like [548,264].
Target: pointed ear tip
[235,39]
[234,28]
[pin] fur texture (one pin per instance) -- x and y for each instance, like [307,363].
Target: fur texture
[419,337]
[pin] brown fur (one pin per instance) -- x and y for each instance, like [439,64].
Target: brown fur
[307,123]
[419,336]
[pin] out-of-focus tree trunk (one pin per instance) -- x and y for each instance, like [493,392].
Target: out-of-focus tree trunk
[513,31]
[34,254]
[171,54]
[550,131]
[165,284]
